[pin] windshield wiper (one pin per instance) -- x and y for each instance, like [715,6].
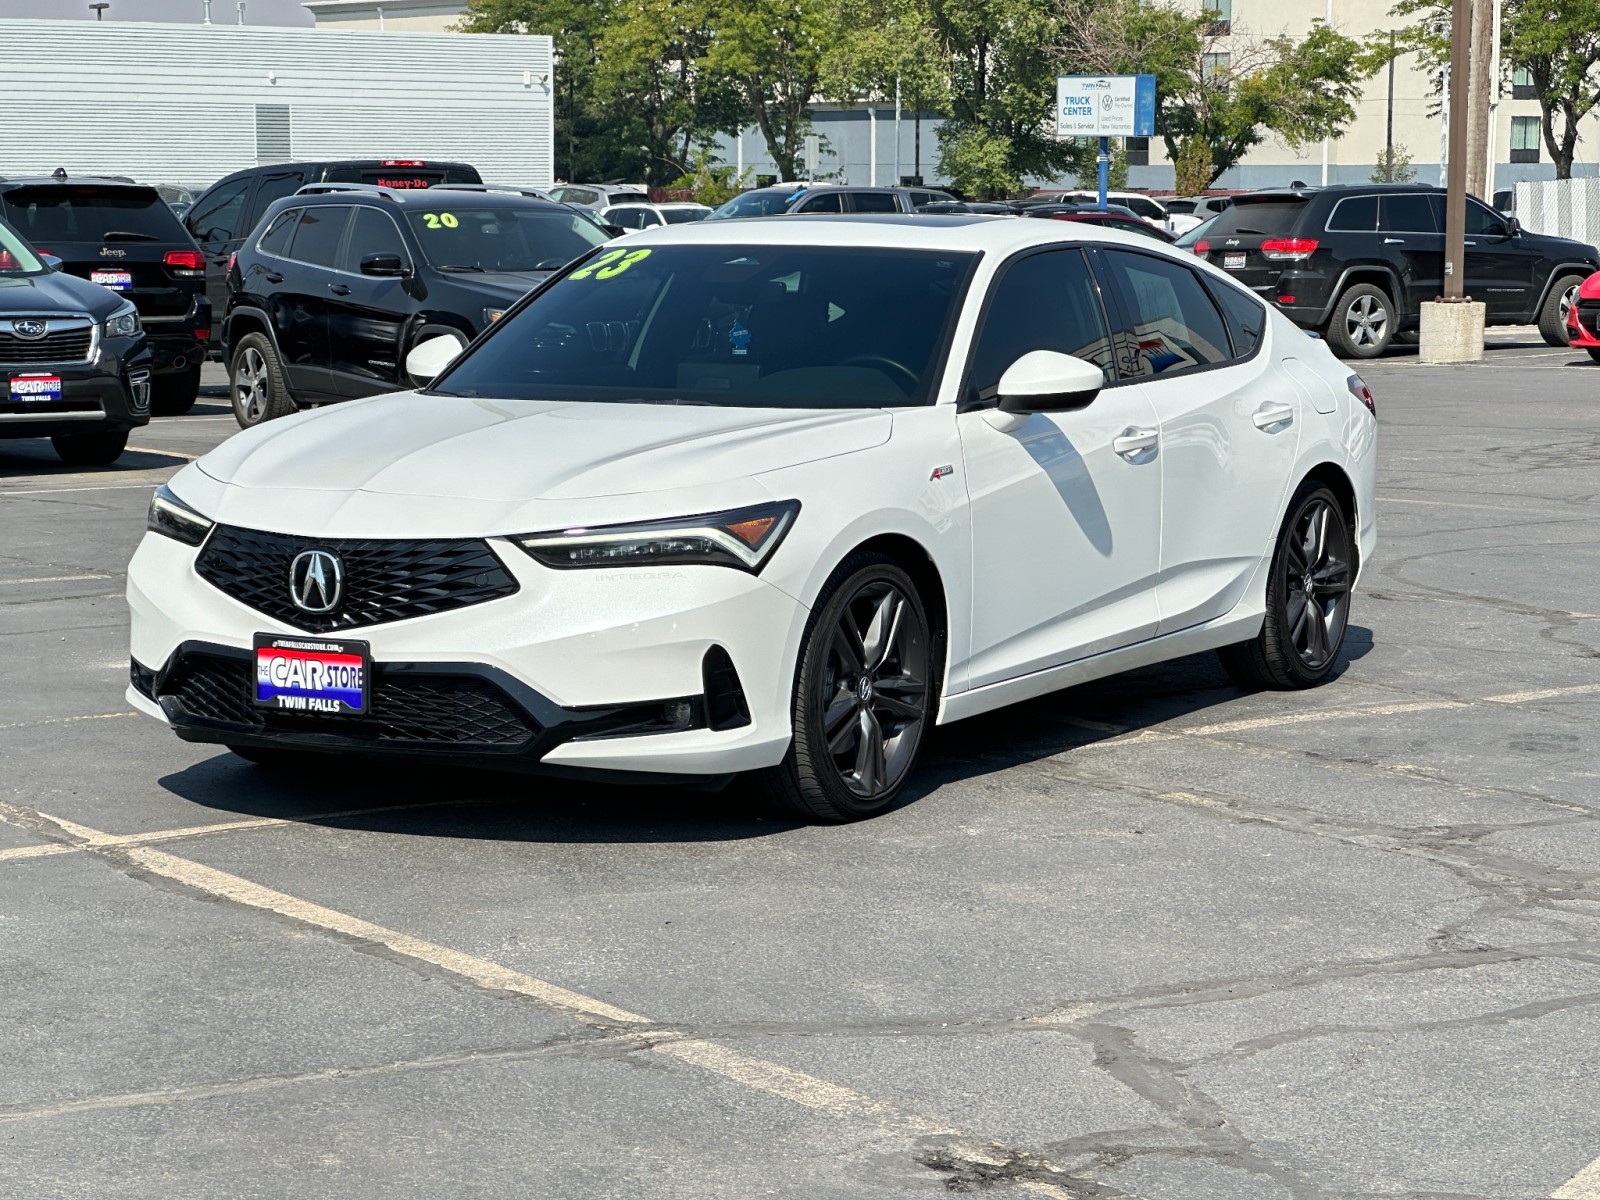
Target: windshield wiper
[127,235]
[462,267]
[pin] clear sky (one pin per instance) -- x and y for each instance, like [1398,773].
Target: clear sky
[257,12]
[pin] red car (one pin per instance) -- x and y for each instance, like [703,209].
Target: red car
[1583,318]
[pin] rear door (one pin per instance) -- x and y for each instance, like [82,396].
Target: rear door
[874,202]
[367,314]
[301,302]
[1235,241]
[1411,241]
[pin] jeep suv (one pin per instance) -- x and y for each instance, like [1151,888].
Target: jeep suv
[1358,262]
[340,281]
[125,238]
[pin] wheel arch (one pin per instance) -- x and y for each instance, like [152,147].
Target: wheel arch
[1557,273]
[247,320]
[1379,276]
[1337,480]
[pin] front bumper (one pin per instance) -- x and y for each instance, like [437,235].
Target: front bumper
[1583,324]
[107,394]
[581,671]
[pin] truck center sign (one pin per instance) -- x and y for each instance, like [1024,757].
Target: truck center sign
[1105,105]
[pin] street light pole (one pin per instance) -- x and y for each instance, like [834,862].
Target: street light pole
[99,10]
[1388,133]
[1455,205]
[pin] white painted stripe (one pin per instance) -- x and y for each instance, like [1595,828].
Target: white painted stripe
[70,720]
[1581,689]
[165,453]
[36,851]
[52,579]
[1302,718]
[1585,1185]
[1494,508]
[110,487]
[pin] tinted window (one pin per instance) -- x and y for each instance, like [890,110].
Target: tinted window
[373,232]
[316,237]
[681,216]
[828,202]
[921,198]
[1246,318]
[219,216]
[1401,213]
[497,236]
[273,187]
[1175,324]
[1184,207]
[280,233]
[1145,208]
[67,213]
[757,204]
[575,195]
[1481,222]
[625,218]
[649,219]
[875,202]
[1356,214]
[736,326]
[1043,302]
[1264,217]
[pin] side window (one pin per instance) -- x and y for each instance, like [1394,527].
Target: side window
[649,218]
[827,202]
[372,233]
[1356,214]
[1482,222]
[280,233]
[1246,317]
[875,202]
[1402,213]
[1176,327]
[317,234]
[273,187]
[921,198]
[623,218]
[219,217]
[1045,301]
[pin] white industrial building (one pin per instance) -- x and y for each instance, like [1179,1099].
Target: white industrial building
[187,104]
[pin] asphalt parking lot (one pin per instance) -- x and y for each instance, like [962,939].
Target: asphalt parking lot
[1152,937]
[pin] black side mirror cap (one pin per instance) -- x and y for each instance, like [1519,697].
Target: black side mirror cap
[1513,226]
[615,230]
[390,265]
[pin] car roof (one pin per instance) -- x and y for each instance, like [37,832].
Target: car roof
[412,197]
[109,181]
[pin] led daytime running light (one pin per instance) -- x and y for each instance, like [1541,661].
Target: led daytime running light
[742,538]
[172,518]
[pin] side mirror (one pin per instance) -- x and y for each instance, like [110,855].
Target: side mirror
[615,231]
[1513,227]
[428,359]
[50,261]
[1046,381]
[383,264]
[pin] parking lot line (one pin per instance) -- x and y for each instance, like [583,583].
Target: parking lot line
[116,716]
[164,453]
[52,579]
[107,487]
[1585,1185]
[1581,689]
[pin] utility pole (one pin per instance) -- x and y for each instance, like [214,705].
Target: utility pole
[1452,326]
[1478,100]
[99,10]
[1388,133]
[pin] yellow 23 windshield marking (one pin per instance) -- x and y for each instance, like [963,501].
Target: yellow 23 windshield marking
[610,264]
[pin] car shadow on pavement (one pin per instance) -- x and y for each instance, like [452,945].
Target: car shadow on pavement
[36,460]
[454,803]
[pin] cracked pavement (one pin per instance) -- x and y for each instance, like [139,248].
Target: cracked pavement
[1152,937]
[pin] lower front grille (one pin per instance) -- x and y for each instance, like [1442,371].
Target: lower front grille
[407,707]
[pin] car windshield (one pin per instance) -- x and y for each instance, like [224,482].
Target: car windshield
[16,256]
[468,236]
[1194,235]
[733,326]
[82,213]
[756,204]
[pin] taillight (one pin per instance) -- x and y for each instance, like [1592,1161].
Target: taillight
[1359,389]
[233,258]
[1289,248]
[1285,299]
[402,162]
[185,262]
[1202,248]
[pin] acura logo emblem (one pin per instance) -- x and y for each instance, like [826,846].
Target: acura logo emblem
[30,330]
[316,581]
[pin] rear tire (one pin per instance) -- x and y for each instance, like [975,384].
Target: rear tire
[1362,325]
[1553,316]
[255,382]
[91,449]
[1308,599]
[864,696]
[1594,353]
[174,395]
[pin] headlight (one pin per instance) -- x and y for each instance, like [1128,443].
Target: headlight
[123,323]
[172,518]
[744,538]
[491,315]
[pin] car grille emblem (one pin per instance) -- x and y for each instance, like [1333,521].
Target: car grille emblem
[30,331]
[316,581]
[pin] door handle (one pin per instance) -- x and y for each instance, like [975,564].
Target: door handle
[274,277]
[1394,241]
[1269,416]
[339,289]
[1469,243]
[1132,442]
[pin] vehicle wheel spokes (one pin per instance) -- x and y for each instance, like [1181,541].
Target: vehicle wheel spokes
[1317,591]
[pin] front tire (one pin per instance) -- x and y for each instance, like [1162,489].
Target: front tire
[255,382]
[174,395]
[1594,353]
[91,449]
[863,696]
[1362,324]
[1553,316]
[1308,598]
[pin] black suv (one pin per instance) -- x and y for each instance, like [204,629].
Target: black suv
[340,282]
[225,212]
[74,362]
[123,236]
[1358,262]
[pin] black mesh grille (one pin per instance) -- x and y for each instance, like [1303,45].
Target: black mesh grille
[1589,315]
[456,710]
[383,580]
[70,345]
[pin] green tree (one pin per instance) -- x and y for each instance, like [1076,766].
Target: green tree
[1394,166]
[770,52]
[1556,41]
[880,48]
[709,181]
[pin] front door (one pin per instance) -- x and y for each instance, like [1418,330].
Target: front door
[1500,272]
[217,224]
[1066,509]
[1230,427]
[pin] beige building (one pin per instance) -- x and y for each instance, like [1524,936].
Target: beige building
[398,16]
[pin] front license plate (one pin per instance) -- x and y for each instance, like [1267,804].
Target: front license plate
[118,281]
[35,388]
[1233,262]
[312,676]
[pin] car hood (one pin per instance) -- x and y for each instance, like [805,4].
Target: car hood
[498,286]
[499,465]
[55,291]
[1567,248]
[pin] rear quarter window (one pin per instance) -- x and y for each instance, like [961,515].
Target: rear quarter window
[1263,217]
[1354,214]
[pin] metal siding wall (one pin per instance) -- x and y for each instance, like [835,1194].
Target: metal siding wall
[176,103]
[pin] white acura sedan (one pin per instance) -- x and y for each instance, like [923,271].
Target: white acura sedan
[770,497]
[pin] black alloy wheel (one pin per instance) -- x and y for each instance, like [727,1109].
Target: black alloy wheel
[864,696]
[1308,598]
